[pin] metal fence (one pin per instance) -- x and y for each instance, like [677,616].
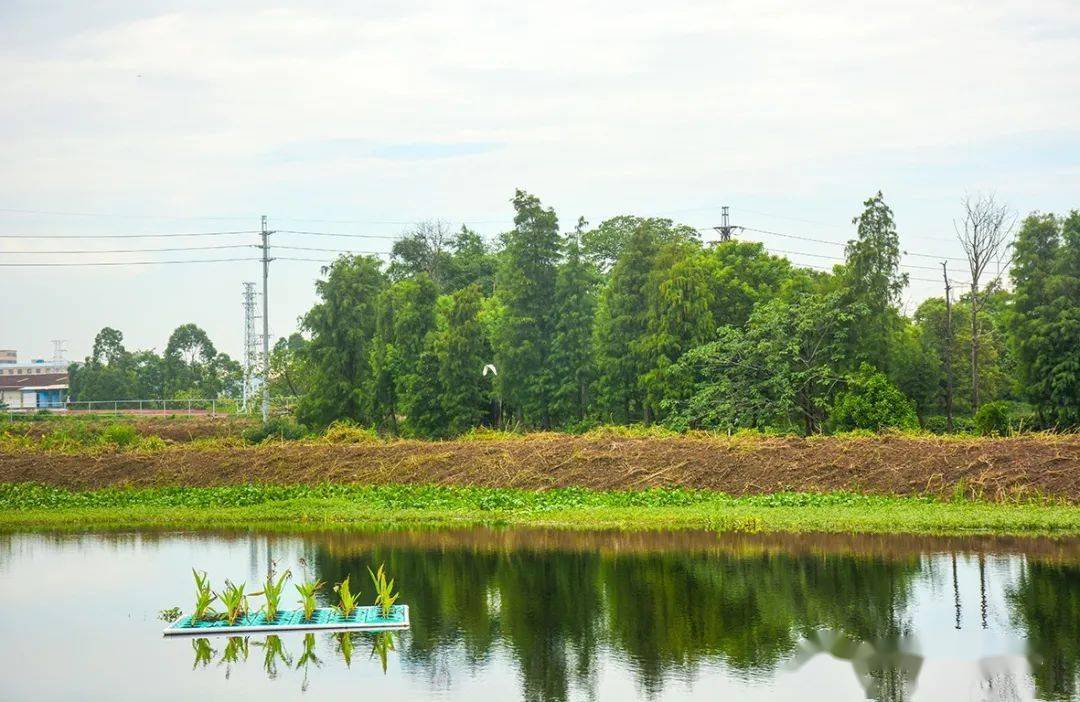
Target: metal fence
[207,406]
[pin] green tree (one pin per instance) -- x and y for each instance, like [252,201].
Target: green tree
[342,325]
[426,417]
[526,287]
[1045,320]
[462,353]
[678,317]
[873,280]
[471,262]
[107,373]
[779,372]
[189,363]
[572,356]
[604,245]
[290,375]
[619,327]
[870,401]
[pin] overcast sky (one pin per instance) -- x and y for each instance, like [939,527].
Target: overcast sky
[129,117]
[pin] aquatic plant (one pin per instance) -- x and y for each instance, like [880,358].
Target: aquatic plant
[169,615]
[203,597]
[384,592]
[307,590]
[348,599]
[272,592]
[234,601]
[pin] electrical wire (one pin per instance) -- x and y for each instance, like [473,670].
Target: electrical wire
[349,251]
[393,237]
[111,251]
[123,236]
[122,263]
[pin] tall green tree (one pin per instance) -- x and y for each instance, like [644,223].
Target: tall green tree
[678,317]
[526,287]
[572,355]
[463,351]
[342,325]
[1045,319]
[619,327]
[874,281]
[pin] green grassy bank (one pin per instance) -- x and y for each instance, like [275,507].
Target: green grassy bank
[25,506]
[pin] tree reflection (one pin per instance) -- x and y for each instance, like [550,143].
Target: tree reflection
[1045,603]
[666,612]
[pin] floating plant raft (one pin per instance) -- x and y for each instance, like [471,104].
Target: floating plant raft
[363,619]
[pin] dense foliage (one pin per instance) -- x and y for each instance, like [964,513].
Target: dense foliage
[638,321]
[190,368]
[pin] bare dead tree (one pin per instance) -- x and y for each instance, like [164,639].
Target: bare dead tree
[984,232]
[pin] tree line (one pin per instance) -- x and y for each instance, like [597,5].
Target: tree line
[190,368]
[637,320]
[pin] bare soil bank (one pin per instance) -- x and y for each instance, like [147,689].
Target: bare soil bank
[996,469]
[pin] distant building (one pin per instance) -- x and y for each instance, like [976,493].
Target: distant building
[39,384]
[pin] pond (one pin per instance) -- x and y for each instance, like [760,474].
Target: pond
[555,615]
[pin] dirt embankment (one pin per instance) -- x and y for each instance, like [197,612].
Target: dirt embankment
[992,468]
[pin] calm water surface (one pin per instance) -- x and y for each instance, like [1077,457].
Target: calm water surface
[536,615]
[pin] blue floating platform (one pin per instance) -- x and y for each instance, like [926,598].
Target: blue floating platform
[363,619]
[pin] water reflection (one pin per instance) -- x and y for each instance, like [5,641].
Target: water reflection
[550,617]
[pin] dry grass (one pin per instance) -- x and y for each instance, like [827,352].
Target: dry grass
[1006,469]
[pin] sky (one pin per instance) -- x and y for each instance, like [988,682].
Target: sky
[123,117]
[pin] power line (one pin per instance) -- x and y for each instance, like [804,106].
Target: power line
[63,213]
[104,251]
[785,235]
[123,263]
[123,236]
[349,251]
[393,237]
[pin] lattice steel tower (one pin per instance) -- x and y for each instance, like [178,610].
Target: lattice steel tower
[252,340]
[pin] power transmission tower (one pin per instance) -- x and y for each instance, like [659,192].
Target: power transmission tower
[251,347]
[266,322]
[59,350]
[725,230]
[948,348]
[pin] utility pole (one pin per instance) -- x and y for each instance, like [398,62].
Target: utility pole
[948,348]
[266,322]
[725,230]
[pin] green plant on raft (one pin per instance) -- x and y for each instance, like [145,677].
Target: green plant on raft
[307,590]
[385,597]
[348,599]
[272,592]
[203,597]
[234,601]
